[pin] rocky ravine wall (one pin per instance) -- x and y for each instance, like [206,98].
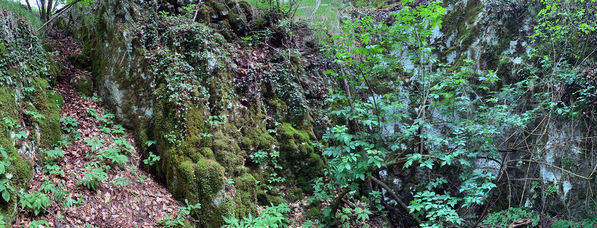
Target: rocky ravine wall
[173,82]
[29,111]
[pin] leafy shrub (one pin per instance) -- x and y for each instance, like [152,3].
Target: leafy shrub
[94,175]
[92,113]
[271,216]
[36,202]
[39,223]
[506,217]
[587,223]
[5,187]
[95,143]
[152,159]
[112,156]
[69,123]
[170,221]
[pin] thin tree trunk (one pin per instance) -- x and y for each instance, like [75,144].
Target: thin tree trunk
[28,5]
[39,7]
[49,8]
[42,10]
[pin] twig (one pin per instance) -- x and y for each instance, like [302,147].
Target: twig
[553,166]
[391,191]
[58,13]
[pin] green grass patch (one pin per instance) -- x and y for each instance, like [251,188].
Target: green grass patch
[21,11]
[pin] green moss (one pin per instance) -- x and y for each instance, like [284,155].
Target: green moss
[207,152]
[204,14]
[2,48]
[21,167]
[180,177]
[80,60]
[227,152]
[295,62]
[48,104]
[84,86]
[298,157]
[462,24]
[314,214]
[210,178]
[296,194]
[246,195]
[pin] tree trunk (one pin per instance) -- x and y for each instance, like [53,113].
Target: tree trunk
[28,5]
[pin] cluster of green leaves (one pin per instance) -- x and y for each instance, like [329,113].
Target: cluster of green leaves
[269,159]
[5,188]
[69,125]
[51,163]
[506,217]
[112,156]
[184,72]
[152,159]
[170,221]
[37,203]
[95,173]
[271,216]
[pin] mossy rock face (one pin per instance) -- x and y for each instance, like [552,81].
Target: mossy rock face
[205,13]
[83,86]
[80,60]
[37,109]
[48,104]
[298,156]
[245,196]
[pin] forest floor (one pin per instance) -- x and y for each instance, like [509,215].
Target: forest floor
[134,200]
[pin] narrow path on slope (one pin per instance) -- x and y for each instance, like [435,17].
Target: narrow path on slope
[128,197]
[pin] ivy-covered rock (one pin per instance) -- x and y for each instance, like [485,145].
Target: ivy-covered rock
[29,111]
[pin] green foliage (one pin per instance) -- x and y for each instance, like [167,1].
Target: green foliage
[449,121]
[259,156]
[588,222]
[506,217]
[69,123]
[37,203]
[124,145]
[92,113]
[21,11]
[106,119]
[151,160]
[271,216]
[35,115]
[93,176]
[169,221]
[39,223]
[112,156]
[95,143]
[5,188]
[118,129]
[121,181]
[55,154]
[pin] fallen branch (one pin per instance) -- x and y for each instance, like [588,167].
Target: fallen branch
[553,166]
[391,191]
[58,13]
